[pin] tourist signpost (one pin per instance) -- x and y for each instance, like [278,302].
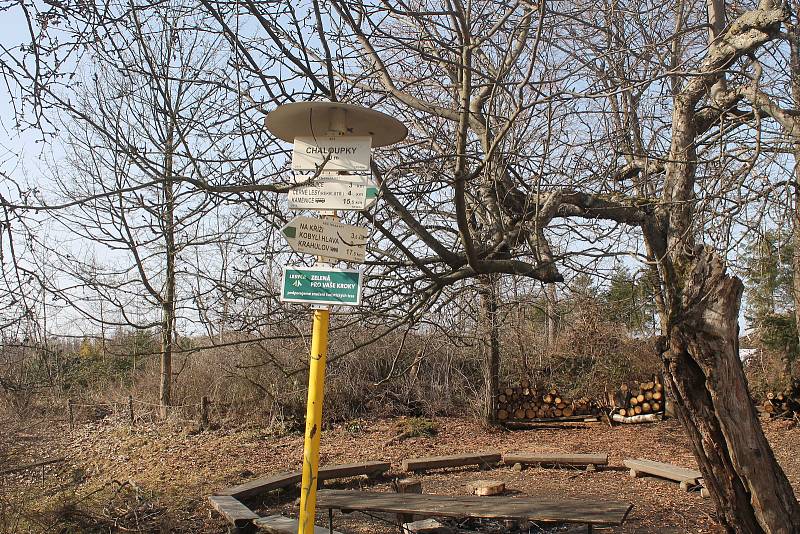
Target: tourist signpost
[333,192]
[327,238]
[328,137]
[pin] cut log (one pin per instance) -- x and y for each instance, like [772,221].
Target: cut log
[486,488]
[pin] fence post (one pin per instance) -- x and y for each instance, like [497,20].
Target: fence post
[71,415]
[204,413]
[130,410]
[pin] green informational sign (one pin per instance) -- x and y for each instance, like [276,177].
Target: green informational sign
[321,285]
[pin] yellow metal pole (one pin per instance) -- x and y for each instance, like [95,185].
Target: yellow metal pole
[316,387]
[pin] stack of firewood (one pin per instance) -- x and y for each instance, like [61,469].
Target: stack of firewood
[524,402]
[781,404]
[639,398]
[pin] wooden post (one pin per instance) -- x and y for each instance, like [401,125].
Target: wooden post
[203,413]
[130,410]
[407,485]
[71,415]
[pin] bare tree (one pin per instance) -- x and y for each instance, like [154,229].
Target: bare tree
[545,138]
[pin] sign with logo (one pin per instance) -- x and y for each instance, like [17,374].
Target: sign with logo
[321,285]
[345,153]
[327,238]
[333,192]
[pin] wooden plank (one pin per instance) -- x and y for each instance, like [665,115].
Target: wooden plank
[520,509]
[262,485]
[232,510]
[664,470]
[524,457]
[25,467]
[352,470]
[489,458]
[269,483]
[278,524]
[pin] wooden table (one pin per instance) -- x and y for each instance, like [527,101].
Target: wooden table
[591,512]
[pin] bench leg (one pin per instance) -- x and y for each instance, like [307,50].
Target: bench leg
[330,520]
[589,528]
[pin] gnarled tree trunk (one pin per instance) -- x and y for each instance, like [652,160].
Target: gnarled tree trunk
[490,344]
[701,353]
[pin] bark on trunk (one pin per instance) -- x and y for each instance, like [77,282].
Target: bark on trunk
[168,299]
[701,353]
[491,346]
[551,306]
[794,47]
[700,318]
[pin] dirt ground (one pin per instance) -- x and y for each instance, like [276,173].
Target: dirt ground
[152,478]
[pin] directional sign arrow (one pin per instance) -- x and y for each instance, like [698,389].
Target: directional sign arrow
[337,192]
[321,285]
[327,238]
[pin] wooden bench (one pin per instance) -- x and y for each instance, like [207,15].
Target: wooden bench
[592,513]
[532,458]
[234,512]
[688,478]
[483,459]
[269,483]
[278,524]
[262,485]
[371,469]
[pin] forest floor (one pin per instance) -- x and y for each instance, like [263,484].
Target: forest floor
[155,478]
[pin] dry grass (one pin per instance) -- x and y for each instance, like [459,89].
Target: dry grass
[155,478]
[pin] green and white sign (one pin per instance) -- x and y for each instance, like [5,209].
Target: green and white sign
[321,285]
